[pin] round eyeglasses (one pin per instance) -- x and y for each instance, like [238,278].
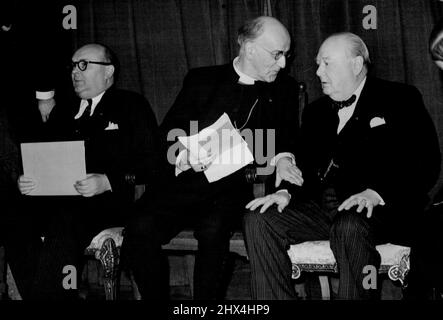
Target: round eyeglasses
[277,54]
[82,65]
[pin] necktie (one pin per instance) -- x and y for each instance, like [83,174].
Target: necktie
[87,111]
[337,105]
[84,122]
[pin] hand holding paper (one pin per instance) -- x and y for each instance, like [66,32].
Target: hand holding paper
[200,164]
[93,184]
[218,150]
[26,184]
[52,168]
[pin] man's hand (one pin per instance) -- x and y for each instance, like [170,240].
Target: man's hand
[281,199]
[45,107]
[200,164]
[367,199]
[287,171]
[94,184]
[26,184]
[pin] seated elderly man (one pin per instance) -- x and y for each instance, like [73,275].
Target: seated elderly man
[119,131]
[369,155]
[258,97]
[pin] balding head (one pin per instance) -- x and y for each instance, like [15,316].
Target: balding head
[263,42]
[99,73]
[342,64]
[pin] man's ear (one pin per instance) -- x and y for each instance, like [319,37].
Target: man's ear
[249,49]
[109,71]
[357,65]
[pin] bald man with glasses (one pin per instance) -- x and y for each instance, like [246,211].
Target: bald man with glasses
[119,130]
[257,95]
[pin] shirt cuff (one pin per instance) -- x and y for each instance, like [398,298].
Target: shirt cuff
[282,155]
[40,95]
[180,164]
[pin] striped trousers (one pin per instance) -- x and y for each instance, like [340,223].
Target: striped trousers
[352,236]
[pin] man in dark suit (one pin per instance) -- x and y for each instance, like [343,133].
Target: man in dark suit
[255,95]
[120,135]
[24,26]
[369,156]
[9,168]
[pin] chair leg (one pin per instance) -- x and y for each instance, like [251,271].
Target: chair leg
[109,257]
[324,285]
[13,293]
[301,291]
[190,263]
[135,292]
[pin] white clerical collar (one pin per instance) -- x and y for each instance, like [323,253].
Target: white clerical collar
[84,104]
[244,78]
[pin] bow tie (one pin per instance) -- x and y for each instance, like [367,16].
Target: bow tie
[337,105]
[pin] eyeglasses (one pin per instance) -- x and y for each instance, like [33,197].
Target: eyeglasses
[82,65]
[277,54]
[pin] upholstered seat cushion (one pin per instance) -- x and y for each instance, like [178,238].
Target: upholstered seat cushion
[114,233]
[319,252]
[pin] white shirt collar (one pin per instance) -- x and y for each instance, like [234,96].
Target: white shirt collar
[346,113]
[244,78]
[84,104]
[357,92]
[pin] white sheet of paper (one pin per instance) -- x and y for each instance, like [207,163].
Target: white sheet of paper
[56,166]
[222,141]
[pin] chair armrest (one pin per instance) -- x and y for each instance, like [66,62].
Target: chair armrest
[258,181]
[113,233]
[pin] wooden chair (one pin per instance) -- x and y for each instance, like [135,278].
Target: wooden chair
[105,246]
[317,256]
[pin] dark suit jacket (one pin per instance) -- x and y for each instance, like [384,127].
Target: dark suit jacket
[399,159]
[32,26]
[128,155]
[9,160]
[207,93]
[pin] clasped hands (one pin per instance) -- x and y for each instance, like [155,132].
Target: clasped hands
[92,185]
[197,164]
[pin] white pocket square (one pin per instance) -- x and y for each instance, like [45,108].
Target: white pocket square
[112,126]
[376,121]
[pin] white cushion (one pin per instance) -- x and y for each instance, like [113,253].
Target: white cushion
[319,252]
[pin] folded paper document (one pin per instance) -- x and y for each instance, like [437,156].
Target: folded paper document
[222,142]
[56,166]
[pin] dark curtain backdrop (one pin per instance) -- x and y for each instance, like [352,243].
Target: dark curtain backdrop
[158,41]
